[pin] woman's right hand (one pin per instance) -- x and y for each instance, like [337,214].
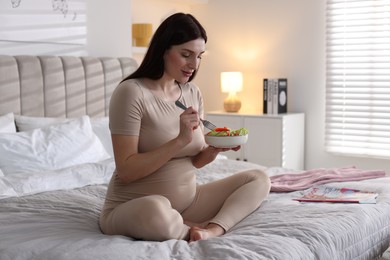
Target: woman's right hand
[189,122]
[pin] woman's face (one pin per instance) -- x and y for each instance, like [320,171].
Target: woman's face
[182,60]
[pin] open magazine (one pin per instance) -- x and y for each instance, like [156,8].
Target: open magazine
[337,195]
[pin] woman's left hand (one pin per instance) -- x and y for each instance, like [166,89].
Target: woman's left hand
[209,154]
[226,149]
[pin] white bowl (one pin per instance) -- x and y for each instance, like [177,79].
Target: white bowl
[226,141]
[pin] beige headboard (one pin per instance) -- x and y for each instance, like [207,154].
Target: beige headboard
[60,86]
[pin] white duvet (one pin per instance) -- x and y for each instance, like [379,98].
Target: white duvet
[63,224]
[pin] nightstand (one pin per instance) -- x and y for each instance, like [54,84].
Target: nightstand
[274,140]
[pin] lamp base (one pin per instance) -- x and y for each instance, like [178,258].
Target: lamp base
[232,104]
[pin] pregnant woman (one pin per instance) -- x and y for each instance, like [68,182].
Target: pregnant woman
[153,194]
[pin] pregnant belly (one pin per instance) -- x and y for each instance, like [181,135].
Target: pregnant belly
[176,181]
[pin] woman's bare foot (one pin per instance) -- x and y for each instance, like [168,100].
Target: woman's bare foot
[212,230]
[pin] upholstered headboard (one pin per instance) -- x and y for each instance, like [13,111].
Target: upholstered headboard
[54,86]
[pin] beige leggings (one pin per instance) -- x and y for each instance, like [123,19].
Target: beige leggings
[224,202]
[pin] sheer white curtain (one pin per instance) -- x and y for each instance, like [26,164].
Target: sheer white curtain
[358,77]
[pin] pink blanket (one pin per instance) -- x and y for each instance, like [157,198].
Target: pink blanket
[300,181]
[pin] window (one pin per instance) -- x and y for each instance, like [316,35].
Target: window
[358,78]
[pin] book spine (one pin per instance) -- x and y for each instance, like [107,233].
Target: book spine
[282,96]
[275,95]
[269,96]
[265,96]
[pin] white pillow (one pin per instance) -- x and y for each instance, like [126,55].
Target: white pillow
[26,123]
[7,123]
[99,126]
[51,148]
[6,190]
[76,176]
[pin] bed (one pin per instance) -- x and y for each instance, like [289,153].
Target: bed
[49,206]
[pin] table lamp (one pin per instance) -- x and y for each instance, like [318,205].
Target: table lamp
[231,82]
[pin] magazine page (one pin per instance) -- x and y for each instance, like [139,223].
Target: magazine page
[341,195]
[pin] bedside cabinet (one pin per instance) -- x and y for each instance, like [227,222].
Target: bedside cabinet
[274,140]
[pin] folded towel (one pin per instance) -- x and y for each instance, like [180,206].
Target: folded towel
[300,181]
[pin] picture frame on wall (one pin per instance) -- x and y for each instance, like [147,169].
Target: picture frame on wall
[43,26]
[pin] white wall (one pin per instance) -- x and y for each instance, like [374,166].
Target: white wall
[278,38]
[154,12]
[109,28]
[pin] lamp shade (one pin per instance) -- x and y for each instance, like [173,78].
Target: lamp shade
[141,33]
[231,82]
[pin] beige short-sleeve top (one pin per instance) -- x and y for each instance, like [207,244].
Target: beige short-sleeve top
[135,110]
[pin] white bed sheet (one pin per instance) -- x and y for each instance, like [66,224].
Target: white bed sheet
[63,224]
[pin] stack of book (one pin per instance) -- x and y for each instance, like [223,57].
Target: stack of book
[275,96]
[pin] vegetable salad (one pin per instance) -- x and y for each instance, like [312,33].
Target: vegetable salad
[226,131]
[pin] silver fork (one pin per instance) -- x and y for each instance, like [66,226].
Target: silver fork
[206,123]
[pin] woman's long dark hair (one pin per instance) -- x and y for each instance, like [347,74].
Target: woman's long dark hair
[177,29]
